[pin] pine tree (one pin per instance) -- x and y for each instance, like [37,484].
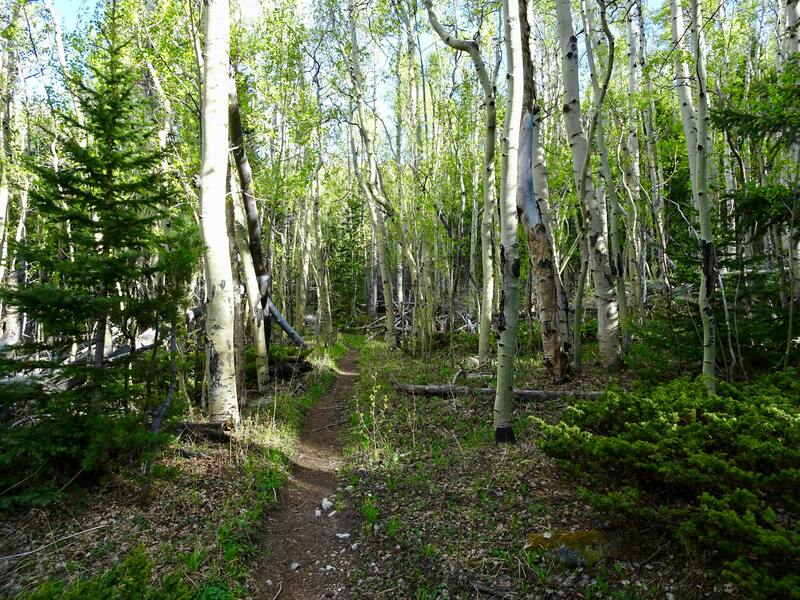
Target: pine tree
[111,253]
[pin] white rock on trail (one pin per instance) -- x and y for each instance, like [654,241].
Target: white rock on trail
[318,513]
[342,536]
[294,566]
[326,504]
[332,513]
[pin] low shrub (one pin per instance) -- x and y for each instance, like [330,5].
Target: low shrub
[720,472]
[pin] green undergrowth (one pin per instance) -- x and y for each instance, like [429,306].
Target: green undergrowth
[260,465]
[719,472]
[443,506]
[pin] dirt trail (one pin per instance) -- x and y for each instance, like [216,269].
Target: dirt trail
[307,556]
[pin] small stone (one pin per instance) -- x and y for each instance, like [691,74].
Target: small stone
[342,536]
[670,596]
[354,546]
[294,566]
[326,504]
[569,557]
[332,513]
[318,513]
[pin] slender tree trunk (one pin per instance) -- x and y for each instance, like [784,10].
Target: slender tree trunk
[606,188]
[683,84]
[15,319]
[543,278]
[703,203]
[261,266]
[376,202]
[222,397]
[304,217]
[594,207]
[509,251]
[252,289]
[238,313]
[325,317]
[489,200]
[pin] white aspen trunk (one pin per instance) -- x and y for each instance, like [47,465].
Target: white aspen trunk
[238,312]
[62,59]
[594,207]
[654,166]
[325,320]
[541,188]
[15,319]
[489,200]
[473,237]
[543,277]
[374,197]
[509,251]
[633,174]
[703,204]
[792,29]
[251,288]
[223,402]
[7,74]
[304,218]
[607,186]
[682,82]
[4,201]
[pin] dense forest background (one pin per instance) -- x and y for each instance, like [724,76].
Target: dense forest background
[593,203]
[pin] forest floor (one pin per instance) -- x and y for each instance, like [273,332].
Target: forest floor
[306,547]
[443,512]
[199,532]
[338,486]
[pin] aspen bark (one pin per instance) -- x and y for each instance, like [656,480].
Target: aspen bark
[238,313]
[374,198]
[682,82]
[509,251]
[703,204]
[14,319]
[594,206]
[251,288]
[325,318]
[543,262]
[260,265]
[633,172]
[490,141]
[654,166]
[606,188]
[222,398]
[304,260]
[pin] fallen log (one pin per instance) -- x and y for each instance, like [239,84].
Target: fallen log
[465,390]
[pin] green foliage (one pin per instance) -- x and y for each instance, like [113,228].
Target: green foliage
[770,107]
[718,471]
[130,579]
[112,250]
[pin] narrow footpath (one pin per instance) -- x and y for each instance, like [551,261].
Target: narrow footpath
[307,543]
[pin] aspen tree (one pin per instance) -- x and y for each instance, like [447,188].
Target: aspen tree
[223,402]
[531,206]
[376,202]
[683,84]
[594,206]
[470,46]
[251,287]
[509,251]
[607,186]
[703,205]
